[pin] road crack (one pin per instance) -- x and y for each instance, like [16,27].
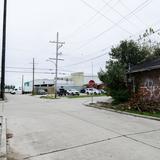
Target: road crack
[72,147]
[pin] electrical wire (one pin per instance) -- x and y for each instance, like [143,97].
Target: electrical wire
[108,19]
[11,71]
[116,11]
[140,7]
[101,55]
[87,60]
[84,25]
[10,67]
[140,20]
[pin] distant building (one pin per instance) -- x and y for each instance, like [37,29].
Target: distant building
[45,84]
[79,78]
[75,80]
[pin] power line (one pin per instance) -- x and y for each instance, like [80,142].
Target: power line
[121,2]
[108,19]
[11,71]
[37,69]
[116,11]
[29,68]
[89,20]
[101,55]
[140,7]
[87,60]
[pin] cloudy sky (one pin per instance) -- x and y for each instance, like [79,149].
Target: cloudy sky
[88,27]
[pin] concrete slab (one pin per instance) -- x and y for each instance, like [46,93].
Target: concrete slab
[115,149]
[151,138]
[123,124]
[54,132]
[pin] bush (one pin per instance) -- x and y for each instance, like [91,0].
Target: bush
[121,95]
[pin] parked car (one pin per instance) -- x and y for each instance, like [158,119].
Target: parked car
[73,92]
[13,92]
[103,91]
[42,92]
[82,90]
[92,91]
[61,92]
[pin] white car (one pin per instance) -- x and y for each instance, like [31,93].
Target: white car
[73,92]
[92,91]
[13,92]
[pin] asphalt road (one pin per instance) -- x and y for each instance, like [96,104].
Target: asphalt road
[65,129]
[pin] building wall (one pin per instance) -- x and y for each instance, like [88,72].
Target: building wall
[39,84]
[148,83]
[78,78]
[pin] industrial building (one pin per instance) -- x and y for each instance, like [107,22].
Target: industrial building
[75,80]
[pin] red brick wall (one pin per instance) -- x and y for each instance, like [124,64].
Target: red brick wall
[148,83]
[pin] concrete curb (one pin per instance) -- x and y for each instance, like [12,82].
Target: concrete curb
[123,112]
[3,144]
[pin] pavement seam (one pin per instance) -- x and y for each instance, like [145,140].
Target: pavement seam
[96,142]
[72,147]
[137,133]
[125,136]
[142,142]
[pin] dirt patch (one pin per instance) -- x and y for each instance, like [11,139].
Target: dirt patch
[12,155]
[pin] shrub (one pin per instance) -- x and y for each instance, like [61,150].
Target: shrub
[121,95]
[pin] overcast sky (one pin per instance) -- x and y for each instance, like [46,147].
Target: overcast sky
[88,27]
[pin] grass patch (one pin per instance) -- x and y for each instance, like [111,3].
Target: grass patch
[47,97]
[131,110]
[156,114]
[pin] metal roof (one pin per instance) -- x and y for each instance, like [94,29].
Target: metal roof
[146,65]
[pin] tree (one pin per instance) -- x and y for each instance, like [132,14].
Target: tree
[126,54]
[156,52]
[115,78]
[129,53]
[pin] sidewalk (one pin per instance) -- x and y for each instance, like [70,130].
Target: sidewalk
[3,145]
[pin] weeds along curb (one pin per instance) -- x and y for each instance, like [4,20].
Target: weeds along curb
[123,112]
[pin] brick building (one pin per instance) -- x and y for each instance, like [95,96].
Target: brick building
[145,78]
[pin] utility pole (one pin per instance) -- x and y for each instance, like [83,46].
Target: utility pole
[92,86]
[3,51]
[22,82]
[58,46]
[33,91]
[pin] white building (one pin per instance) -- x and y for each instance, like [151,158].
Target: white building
[75,80]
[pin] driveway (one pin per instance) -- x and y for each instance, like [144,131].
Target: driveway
[65,129]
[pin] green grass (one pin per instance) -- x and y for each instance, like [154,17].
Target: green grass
[47,97]
[156,114]
[118,108]
[84,96]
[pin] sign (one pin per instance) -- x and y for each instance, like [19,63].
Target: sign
[91,83]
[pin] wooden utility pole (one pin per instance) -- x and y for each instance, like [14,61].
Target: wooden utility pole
[22,83]
[92,86]
[33,91]
[58,46]
[3,51]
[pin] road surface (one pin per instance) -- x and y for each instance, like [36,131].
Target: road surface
[65,129]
